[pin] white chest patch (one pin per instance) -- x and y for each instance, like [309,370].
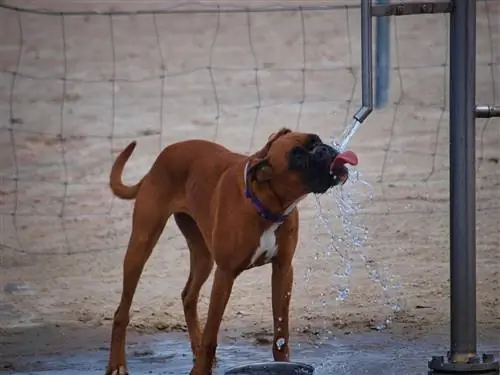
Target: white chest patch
[267,243]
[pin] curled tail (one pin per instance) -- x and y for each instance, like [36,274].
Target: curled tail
[115,177]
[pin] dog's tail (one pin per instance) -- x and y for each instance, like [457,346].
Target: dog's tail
[115,177]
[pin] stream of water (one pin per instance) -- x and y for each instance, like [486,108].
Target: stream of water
[350,199]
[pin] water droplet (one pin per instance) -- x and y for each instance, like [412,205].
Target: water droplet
[343,294]
[280,343]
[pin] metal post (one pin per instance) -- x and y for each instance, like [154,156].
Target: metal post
[366,62]
[462,356]
[382,58]
[463,180]
[366,75]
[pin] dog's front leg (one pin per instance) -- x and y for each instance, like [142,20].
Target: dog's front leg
[221,290]
[281,280]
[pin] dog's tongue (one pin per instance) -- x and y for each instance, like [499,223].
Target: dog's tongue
[346,157]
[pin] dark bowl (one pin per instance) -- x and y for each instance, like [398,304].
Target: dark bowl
[272,368]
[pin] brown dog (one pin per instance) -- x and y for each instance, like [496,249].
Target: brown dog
[235,210]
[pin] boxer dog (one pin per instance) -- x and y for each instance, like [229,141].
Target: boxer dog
[234,210]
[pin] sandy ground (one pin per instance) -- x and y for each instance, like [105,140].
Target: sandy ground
[232,78]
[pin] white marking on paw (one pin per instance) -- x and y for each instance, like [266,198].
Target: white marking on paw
[120,371]
[280,343]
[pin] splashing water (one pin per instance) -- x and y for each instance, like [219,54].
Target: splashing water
[354,236]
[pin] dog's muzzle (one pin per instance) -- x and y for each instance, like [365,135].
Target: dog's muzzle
[322,167]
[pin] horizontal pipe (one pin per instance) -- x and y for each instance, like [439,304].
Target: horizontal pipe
[407,9]
[487,111]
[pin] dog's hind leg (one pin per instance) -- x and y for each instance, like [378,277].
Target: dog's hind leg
[147,225]
[201,264]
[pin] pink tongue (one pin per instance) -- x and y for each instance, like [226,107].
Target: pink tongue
[347,157]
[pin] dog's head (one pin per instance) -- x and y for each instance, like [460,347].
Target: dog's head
[301,163]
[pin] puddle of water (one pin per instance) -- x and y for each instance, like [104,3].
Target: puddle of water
[370,353]
[19,289]
[12,317]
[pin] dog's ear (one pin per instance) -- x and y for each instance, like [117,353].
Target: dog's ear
[261,169]
[279,133]
[262,153]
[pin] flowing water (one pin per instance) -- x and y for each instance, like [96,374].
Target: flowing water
[350,199]
[347,134]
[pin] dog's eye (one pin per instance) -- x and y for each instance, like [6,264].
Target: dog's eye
[312,141]
[297,158]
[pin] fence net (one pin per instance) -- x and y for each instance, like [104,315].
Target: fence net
[80,81]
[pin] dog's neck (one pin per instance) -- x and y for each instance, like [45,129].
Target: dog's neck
[272,205]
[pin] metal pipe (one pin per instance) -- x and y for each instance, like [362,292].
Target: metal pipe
[487,111]
[382,58]
[408,9]
[366,63]
[462,180]
[462,357]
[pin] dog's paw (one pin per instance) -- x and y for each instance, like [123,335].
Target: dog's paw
[197,372]
[117,370]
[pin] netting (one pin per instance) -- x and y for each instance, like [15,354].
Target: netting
[78,85]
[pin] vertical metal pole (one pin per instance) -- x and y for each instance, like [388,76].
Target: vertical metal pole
[382,58]
[366,62]
[366,75]
[463,180]
[462,357]
[367,53]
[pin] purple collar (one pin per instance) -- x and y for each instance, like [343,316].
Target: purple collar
[261,209]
